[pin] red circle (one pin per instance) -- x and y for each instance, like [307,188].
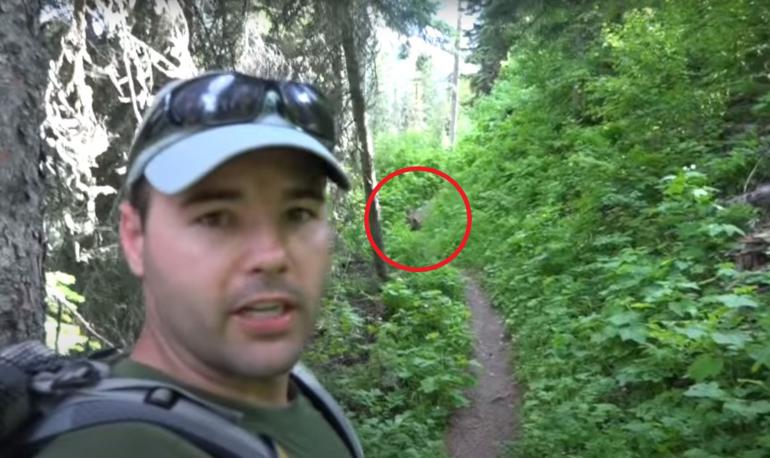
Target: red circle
[418,168]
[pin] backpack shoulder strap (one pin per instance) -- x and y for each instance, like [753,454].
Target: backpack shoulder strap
[325,403]
[131,400]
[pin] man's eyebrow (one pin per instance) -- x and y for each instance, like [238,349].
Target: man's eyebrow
[304,193]
[209,195]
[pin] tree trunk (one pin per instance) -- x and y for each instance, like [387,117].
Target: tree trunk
[456,78]
[22,249]
[365,147]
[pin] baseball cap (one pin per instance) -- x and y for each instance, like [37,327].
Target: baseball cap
[196,125]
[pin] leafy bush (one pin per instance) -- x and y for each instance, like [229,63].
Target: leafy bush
[411,372]
[596,169]
[441,204]
[399,359]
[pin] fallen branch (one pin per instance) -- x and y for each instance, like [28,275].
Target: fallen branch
[85,323]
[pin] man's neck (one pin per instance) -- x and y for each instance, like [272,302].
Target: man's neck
[272,392]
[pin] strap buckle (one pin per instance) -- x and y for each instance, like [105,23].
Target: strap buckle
[72,375]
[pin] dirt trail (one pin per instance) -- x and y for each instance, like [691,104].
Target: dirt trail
[482,429]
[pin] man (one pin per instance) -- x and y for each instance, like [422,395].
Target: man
[225,225]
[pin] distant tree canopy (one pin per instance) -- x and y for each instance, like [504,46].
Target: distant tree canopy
[503,25]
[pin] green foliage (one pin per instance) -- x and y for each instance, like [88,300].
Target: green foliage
[400,369]
[423,192]
[396,151]
[408,369]
[397,354]
[400,372]
[421,357]
[596,169]
[397,357]
[491,38]
[407,17]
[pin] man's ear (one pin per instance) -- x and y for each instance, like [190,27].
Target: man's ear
[132,238]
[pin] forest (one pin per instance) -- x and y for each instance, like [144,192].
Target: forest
[615,156]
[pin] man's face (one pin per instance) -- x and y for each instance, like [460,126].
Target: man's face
[233,269]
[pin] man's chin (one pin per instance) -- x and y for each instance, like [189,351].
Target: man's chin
[266,363]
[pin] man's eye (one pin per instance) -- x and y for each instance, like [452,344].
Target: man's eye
[300,214]
[215,219]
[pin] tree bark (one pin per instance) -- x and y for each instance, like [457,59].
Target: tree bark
[456,78]
[22,85]
[365,146]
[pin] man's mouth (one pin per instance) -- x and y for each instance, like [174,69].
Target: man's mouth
[266,316]
[263,310]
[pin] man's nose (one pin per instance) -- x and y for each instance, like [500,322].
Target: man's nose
[266,249]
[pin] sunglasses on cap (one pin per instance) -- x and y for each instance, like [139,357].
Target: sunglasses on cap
[231,98]
[195,125]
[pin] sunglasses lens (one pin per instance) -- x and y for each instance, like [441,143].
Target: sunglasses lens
[307,108]
[217,100]
[234,98]
[155,126]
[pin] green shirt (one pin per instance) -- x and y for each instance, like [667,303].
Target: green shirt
[299,429]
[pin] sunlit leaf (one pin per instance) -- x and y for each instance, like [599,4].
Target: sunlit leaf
[735,339]
[428,385]
[734,301]
[761,355]
[705,366]
[636,333]
[693,332]
[622,318]
[748,409]
[706,390]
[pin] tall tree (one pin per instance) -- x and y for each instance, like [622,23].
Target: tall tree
[455,102]
[498,25]
[350,47]
[216,29]
[22,248]
[404,17]
[503,24]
